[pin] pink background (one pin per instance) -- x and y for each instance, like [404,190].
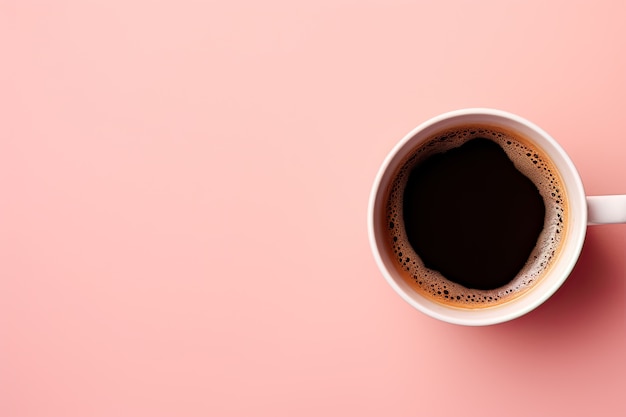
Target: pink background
[183,206]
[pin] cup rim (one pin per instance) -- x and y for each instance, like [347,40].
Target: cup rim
[495,314]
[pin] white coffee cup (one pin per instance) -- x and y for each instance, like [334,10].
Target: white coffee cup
[583,211]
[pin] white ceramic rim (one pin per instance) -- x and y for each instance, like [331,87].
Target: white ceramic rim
[575,234]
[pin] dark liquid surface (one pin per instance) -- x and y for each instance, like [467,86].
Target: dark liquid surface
[472,216]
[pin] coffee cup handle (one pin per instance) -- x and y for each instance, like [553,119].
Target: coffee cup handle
[605,209]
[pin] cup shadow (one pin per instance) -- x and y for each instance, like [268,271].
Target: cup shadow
[574,311]
[577,307]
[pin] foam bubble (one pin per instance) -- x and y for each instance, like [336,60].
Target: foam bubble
[530,161]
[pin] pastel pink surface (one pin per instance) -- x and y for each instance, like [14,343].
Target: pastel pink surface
[184,193]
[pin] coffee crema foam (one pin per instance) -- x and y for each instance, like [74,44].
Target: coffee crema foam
[531,162]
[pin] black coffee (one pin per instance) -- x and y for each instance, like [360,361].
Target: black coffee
[475,216]
[472,216]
